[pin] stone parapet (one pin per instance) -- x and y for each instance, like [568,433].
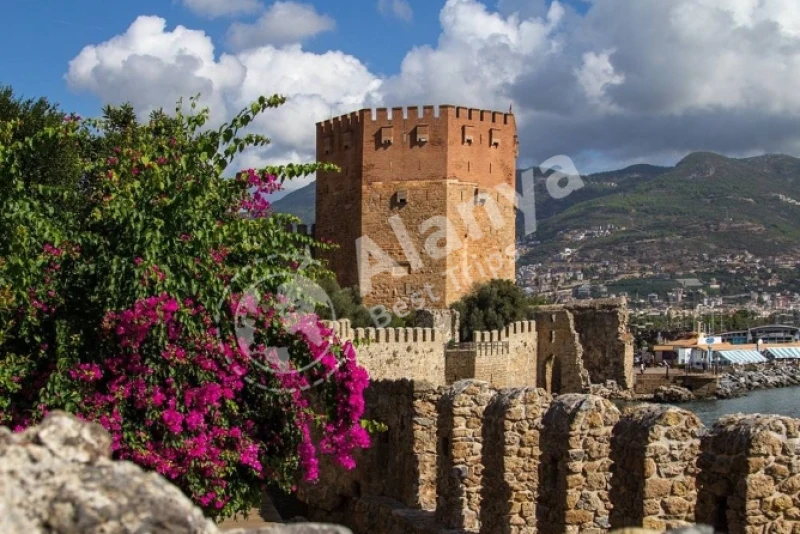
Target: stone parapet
[472,458]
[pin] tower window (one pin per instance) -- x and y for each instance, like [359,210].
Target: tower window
[387,135]
[494,137]
[327,145]
[347,139]
[423,133]
[402,197]
[468,134]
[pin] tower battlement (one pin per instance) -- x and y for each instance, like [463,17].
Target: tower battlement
[428,113]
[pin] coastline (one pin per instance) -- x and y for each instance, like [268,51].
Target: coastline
[732,384]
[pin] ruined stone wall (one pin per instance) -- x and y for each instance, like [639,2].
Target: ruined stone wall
[560,366]
[602,326]
[397,353]
[515,461]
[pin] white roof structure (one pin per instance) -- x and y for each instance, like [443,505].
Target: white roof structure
[784,353]
[739,357]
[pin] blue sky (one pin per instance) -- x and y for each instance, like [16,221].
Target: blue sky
[55,31]
[605,82]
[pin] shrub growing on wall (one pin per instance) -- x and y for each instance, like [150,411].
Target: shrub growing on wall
[133,315]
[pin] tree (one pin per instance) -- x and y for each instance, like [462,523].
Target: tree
[164,314]
[346,304]
[492,306]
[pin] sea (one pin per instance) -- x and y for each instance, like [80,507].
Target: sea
[781,401]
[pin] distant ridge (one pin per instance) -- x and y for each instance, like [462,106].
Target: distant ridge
[721,203]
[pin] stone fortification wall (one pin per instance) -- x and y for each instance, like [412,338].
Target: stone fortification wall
[606,339]
[397,353]
[560,366]
[750,475]
[595,332]
[655,450]
[504,358]
[516,461]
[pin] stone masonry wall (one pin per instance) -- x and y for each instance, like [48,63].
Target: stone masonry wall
[397,353]
[518,367]
[654,454]
[750,475]
[468,458]
[559,354]
[512,428]
[576,465]
[607,343]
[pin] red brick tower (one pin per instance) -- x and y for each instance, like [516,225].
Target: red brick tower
[434,192]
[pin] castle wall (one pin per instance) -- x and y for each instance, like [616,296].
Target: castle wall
[460,444]
[749,478]
[606,340]
[560,367]
[576,464]
[515,461]
[512,429]
[654,455]
[397,353]
[504,358]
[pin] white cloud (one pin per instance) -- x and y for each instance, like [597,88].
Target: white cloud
[596,75]
[283,23]
[478,57]
[219,8]
[396,8]
[625,81]
[151,66]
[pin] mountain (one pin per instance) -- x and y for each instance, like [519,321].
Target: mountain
[300,202]
[707,203]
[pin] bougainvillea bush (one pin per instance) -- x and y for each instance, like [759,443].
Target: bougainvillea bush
[128,314]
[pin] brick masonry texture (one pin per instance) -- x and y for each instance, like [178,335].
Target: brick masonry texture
[454,228]
[472,458]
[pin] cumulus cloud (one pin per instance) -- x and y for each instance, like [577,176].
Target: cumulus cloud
[282,23]
[624,81]
[396,8]
[219,8]
[152,66]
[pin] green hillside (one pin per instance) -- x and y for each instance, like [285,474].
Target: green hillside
[715,202]
[707,201]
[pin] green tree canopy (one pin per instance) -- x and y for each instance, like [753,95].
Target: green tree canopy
[492,306]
